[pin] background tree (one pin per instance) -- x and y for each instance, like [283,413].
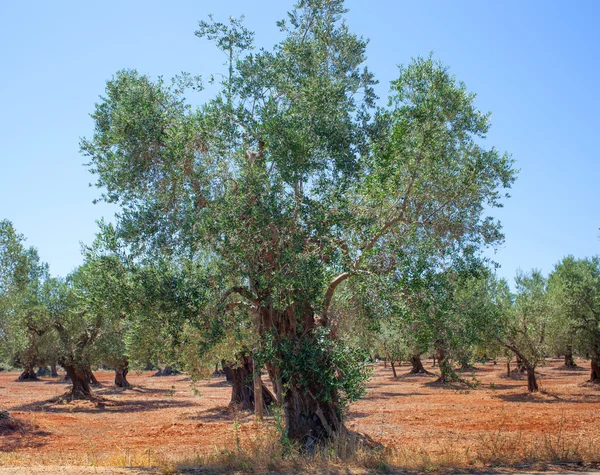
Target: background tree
[574,286]
[23,329]
[291,187]
[525,323]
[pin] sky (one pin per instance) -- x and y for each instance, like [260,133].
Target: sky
[535,65]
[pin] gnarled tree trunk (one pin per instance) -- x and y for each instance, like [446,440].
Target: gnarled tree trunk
[595,370]
[443,363]
[532,385]
[569,361]
[28,374]
[242,384]
[417,365]
[53,370]
[80,380]
[521,368]
[312,411]
[121,370]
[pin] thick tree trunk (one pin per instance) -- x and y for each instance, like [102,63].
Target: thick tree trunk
[81,382]
[443,364]
[532,385]
[121,370]
[393,369]
[54,370]
[595,371]
[242,384]
[521,368]
[417,365]
[28,374]
[312,410]
[310,421]
[569,361]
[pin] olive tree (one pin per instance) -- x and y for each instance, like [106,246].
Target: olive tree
[574,287]
[293,182]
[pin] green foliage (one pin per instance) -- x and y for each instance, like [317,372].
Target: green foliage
[332,370]
[574,288]
[289,182]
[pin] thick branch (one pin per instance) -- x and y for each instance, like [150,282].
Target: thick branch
[329,294]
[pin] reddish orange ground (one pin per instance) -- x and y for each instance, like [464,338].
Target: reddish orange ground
[163,415]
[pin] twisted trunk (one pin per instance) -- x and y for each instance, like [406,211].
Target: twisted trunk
[28,374]
[80,380]
[569,361]
[595,370]
[312,411]
[53,370]
[532,385]
[242,384]
[521,368]
[417,365]
[121,370]
[443,364]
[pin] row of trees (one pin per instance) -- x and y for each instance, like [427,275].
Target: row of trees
[255,229]
[465,313]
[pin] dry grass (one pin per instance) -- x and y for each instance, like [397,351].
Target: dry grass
[264,450]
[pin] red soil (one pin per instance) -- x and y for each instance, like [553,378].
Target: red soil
[163,415]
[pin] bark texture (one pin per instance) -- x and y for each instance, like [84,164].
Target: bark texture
[417,365]
[569,361]
[80,380]
[443,363]
[595,371]
[532,385]
[242,384]
[121,370]
[28,374]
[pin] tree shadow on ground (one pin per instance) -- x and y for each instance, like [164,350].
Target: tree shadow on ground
[223,414]
[544,397]
[114,390]
[569,369]
[219,384]
[13,442]
[100,405]
[16,434]
[389,395]
[455,385]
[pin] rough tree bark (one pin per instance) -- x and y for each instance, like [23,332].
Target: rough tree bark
[242,384]
[80,380]
[595,369]
[521,368]
[569,361]
[532,385]
[417,365]
[121,370]
[54,370]
[443,363]
[309,418]
[90,377]
[28,374]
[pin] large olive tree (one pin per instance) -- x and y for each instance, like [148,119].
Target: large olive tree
[292,182]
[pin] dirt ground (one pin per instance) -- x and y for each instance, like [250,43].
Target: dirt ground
[165,415]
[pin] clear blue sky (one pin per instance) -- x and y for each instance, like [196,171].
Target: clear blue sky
[535,64]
